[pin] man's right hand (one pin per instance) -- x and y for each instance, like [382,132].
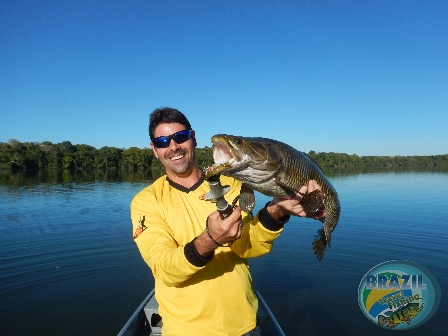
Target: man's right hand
[222,231]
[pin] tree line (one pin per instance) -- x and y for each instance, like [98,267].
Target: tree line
[345,160]
[37,155]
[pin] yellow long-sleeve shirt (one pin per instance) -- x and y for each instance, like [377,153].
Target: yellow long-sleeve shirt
[198,296]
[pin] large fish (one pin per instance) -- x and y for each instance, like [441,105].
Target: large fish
[276,169]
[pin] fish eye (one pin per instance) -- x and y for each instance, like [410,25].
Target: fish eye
[238,141]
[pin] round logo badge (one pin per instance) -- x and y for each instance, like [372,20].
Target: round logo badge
[399,295]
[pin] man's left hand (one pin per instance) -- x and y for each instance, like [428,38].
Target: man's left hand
[280,207]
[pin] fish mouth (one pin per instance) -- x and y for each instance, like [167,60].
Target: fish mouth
[224,156]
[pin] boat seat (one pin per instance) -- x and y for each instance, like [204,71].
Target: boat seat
[152,314]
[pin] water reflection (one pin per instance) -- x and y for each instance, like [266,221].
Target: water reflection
[27,178]
[345,171]
[63,176]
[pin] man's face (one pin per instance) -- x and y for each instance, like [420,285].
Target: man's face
[178,159]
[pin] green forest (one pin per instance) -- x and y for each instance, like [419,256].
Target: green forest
[38,155]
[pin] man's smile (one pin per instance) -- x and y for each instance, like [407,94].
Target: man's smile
[177,157]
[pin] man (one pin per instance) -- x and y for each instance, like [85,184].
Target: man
[199,261]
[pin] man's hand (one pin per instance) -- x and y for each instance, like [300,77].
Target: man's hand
[280,207]
[223,231]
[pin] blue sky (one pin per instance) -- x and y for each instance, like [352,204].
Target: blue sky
[356,77]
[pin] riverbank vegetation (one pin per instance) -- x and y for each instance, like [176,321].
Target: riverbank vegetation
[37,155]
[345,160]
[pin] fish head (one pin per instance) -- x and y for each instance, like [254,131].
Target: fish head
[247,159]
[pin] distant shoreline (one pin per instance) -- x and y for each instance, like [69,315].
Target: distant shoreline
[46,155]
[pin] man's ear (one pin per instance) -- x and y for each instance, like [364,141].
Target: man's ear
[193,135]
[154,150]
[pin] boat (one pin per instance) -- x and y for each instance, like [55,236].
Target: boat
[147,322]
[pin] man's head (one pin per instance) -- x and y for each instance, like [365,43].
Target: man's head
[166,115]
[173,141]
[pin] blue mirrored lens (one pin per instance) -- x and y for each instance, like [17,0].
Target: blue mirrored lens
[181,136]
[161,142]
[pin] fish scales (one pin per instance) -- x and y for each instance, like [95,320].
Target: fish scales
[275,169]
[298,170]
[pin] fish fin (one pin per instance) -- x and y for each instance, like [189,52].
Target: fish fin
[247,199]
[319,244]
[327,230]
[406,319]
[313,201]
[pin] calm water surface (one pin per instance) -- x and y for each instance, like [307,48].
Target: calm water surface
[69,266]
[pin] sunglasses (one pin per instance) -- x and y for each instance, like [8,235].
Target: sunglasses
[178,137]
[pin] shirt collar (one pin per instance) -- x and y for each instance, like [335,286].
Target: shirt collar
[184,189]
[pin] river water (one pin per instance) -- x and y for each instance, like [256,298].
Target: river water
[69,266]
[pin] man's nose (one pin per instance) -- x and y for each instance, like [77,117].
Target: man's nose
[173,144]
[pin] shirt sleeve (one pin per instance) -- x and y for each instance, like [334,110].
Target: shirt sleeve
[258,236]
[259,232]
[170,262]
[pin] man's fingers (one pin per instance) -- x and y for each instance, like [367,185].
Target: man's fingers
[292,206]
[313,185]
[233,217]
[303,190]
[228,229]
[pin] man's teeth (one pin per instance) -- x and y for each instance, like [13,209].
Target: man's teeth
[177,157]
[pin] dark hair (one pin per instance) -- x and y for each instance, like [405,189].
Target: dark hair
[166,115]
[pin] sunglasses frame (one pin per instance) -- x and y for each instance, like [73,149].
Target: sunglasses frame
[173,136]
